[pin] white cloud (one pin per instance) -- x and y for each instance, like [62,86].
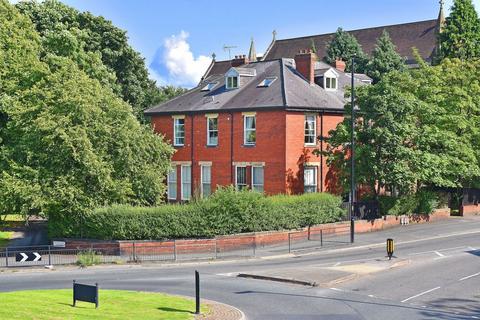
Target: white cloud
[182,66]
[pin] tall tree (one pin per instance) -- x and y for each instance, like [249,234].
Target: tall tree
[460,36]
[69,144]
[384,58]
[88,39]
[344,46]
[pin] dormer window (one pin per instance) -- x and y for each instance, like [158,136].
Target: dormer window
[209,86]
[232,82]
[330,83]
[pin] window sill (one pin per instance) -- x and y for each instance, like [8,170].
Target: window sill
[178,145]
[211,145]
[249,145]
[310,145]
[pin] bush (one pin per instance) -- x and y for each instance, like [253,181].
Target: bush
[88,258]
[227,211]
[423,202]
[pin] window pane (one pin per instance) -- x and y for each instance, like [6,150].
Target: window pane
[179,131]
[250,122]
[172,184]
[250,132]
[206,189]
[235,82]
[257,179]
[310,129]
[310,179]
[212,131]
[241,178]
[206,174]
[186,182]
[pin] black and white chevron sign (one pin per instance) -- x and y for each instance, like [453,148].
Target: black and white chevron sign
[28,256]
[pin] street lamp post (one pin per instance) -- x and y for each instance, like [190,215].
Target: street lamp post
[352,155]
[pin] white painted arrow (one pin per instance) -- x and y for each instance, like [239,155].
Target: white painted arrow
[37,256]
[25,257]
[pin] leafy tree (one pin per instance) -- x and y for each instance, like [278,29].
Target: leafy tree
[344,46]
[89,40]
[384,58]
[69,143]
[416,128]
[460,37]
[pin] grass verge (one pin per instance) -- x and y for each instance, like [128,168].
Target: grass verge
[114,304]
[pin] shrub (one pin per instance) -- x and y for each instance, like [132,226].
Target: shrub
[227,211]
[423,202]
[88,258]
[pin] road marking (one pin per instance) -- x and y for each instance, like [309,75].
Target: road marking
[435,251]
[472,248]
[420,294]
[336,264]
[336,289]
[439,254]
[371,296]
[471,276]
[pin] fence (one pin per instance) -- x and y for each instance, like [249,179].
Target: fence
[177,250]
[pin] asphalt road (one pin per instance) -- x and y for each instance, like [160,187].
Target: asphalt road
[438,278]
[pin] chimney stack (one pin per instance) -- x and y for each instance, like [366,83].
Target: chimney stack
[239,61]
[340,65]
[305,64]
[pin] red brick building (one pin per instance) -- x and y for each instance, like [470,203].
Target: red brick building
[255,123]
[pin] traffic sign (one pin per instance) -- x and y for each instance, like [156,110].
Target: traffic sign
[28,256]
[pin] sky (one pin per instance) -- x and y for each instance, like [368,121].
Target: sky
[178,37]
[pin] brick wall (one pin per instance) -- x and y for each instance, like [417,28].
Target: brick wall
[469,210]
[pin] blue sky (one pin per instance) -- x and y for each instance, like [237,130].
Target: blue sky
[177,37]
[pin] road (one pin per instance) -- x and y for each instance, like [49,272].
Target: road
[435,275]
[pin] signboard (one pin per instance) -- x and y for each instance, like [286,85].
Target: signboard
[28,257]
[86,293]
[59,244]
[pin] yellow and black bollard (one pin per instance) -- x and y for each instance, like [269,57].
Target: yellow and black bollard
[390,248]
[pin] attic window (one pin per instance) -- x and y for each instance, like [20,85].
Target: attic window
[232,82]
[267,82]
[209,86]
[330,83]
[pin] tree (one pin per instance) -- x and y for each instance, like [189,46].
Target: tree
[69,143]
[344,46]
[460,37]
[384,59]
[88,40]
[414,129]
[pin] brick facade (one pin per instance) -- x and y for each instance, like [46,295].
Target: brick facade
[279,148]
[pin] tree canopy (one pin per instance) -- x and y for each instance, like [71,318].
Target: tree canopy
[384,58]
[99,48]
[68,142]
[460,36]
[344,46]
[416,128]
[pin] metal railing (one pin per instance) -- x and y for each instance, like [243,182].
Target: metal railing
[176,250]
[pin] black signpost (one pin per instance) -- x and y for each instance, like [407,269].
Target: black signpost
[86,293]
[28,257]
[197,292]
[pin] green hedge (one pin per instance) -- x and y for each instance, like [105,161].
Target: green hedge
[225,212]
[422,202]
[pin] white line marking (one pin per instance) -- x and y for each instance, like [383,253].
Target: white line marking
[435,251]
[472,248]
[371,296]
[439,254]
[336,264]
[336,289]
[471,276]
[420,294]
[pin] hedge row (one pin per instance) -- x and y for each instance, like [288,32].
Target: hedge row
[422,202]
[225,212]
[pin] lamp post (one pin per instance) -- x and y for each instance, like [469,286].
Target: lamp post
[352,156]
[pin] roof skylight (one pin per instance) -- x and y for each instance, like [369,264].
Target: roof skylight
[267,82]
[209,86]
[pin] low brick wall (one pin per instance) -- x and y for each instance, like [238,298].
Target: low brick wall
[247,240]
[470,210]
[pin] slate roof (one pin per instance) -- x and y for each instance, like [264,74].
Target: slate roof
[421,35]
[289,91]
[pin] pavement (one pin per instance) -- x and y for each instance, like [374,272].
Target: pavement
[435,274]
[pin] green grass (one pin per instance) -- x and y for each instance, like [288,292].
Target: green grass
[114,304]
[5,236]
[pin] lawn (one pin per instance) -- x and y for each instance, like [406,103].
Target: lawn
[113,304]
[5,236]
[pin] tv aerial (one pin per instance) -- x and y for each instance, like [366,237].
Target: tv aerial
[229,49]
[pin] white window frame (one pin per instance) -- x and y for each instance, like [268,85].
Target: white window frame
[174,169]
[175,120]
[328,84]
[315,176]
[230,85]
[314,143]
[209,143]
[205,182]
[182,197]
[254,186]
[245,142]
[236,177]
